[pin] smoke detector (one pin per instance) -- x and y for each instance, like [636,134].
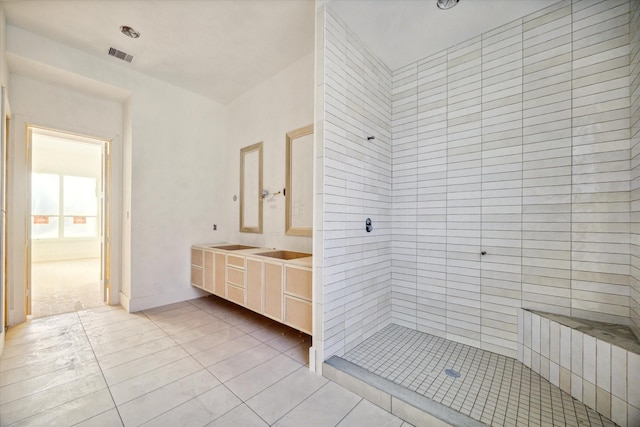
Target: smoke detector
[120,54]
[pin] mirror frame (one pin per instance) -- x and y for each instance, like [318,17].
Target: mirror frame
[290,230]
[244,152]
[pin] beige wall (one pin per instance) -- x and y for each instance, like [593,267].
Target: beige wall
[266,113]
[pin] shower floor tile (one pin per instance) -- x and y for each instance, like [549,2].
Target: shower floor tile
[493,389]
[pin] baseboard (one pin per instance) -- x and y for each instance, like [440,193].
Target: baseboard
[143,303]
[124,302]
[2,334]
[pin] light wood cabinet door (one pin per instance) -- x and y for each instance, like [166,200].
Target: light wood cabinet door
[209,271]
[197,276]
[197,257]
[220,281]
[197,263]
[235,294]
[254,285]
[298,282]
[297,313]
[273,290]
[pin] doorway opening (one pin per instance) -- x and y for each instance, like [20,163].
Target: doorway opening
[68,266]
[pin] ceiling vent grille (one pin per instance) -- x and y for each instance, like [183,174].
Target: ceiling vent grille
[120,54]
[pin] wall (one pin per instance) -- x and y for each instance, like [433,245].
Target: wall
[354,94]
[48,105]
[634,92]
[172,179]
[266,113]
[517,143]
[4,76]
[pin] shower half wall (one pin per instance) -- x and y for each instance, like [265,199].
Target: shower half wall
[516,143]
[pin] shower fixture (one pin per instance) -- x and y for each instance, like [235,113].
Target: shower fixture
[446,4]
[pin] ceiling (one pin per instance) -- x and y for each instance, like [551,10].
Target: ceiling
[222,48]
[404,31]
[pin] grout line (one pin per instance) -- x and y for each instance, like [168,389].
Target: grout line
[106,383]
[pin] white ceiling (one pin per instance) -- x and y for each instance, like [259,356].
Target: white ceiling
[219,48]
[222,48]
[404,31]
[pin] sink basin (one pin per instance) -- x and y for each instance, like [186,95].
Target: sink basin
[233,247]
[284,254]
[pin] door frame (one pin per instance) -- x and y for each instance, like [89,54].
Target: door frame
[5,116]
[105,207]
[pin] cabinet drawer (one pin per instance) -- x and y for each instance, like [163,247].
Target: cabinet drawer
[235,294]
[297,313]
[235,277]
[196,257]
[197,276]
[298,282]
[236,261]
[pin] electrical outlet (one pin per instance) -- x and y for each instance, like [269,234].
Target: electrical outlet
[215,227]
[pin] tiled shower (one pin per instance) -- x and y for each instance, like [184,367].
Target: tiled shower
[521,143]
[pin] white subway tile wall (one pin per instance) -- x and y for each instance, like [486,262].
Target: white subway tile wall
[517,143]
[601,158]
[634,92]
[356,185]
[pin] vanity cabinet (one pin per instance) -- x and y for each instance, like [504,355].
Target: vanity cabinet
[235,279]
[276,288]
[297,298]
[197,268]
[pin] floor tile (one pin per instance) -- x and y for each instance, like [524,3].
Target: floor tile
[262,376]
[488,387]
[47,381]
[149,381]
[39,402]
[288,340]
[242,362]
[274,402]
[132,353]
[110,418]
[199,411]
[157,402]
[221,352]
[100,340]
[209,341]
[326,407]
[240,416]
[32,367]
[144,364]
[73,412]
[367,414]
[128,342]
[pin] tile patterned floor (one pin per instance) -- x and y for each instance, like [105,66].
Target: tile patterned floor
[195,363]
[65,286]
[494,389]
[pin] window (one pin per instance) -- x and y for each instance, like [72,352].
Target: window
[63,206]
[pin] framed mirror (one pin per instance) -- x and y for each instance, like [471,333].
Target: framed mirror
[250,188]
[299,182]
